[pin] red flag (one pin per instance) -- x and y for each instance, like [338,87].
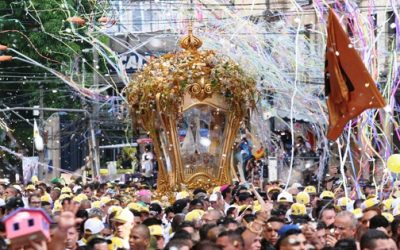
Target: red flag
[349,87]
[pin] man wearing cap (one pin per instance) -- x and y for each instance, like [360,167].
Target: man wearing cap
[144,196]
[245,198]
[298,213]
[284,200]
[157,232]
[155,211]
[122,225]
[91,227]
[273,192]
[291,238]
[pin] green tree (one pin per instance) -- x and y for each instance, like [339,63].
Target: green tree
[38,29]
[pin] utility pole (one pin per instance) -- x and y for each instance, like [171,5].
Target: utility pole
[94,126]
[41,123]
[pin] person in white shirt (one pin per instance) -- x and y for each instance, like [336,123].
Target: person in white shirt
[147,165]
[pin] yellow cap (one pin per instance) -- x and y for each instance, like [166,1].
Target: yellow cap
[79,198]
[34,179]
[125,215]
[217,189]
[256,208]
[274,188]
[96,204]
[194,215]
[182,195]
[310,190]
[135,206]
[45,198]
[138,207]
[327,194]
[66,190]
[303,198]
[145,209]
[298,209]
[64,196]
[30,187]
[113,209]
[343,201]
[155,230]
[369,203]
[105,199]
[245,207]
[388,216]
[387,204]
[358,213]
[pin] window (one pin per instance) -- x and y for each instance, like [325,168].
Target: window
[16,226]
[31,222]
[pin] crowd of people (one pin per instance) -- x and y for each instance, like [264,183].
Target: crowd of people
[238,216]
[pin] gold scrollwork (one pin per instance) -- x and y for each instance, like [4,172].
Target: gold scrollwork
[200,90]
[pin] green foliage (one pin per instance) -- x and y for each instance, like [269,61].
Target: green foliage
[39,30]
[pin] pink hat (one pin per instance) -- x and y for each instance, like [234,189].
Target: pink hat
[224,187]
[144,192]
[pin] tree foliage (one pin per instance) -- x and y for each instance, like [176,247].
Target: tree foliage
[38,29]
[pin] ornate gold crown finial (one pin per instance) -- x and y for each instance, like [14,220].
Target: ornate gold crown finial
[190,42]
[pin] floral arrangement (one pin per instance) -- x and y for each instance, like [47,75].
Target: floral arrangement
[202,73]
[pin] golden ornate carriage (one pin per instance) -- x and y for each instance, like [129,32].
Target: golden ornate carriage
[192,104]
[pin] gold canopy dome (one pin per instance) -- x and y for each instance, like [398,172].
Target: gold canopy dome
[173,85]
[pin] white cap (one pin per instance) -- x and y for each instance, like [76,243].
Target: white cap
[285,196]
[213,197]
[296,185]
[396,210]
[75,188]
[18,187]
[94,225]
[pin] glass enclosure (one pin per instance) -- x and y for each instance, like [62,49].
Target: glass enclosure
[201,131]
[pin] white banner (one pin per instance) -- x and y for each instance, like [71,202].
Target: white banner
[29,167]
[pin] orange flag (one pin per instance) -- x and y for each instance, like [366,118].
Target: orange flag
[349,87]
